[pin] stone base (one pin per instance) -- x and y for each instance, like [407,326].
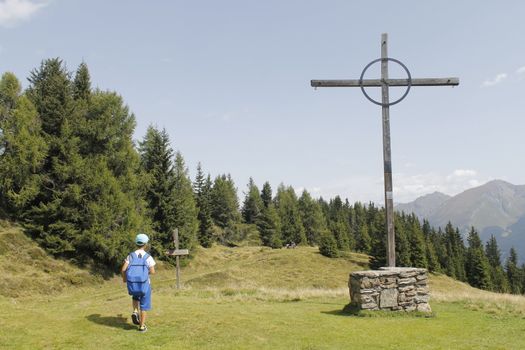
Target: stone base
[390,288]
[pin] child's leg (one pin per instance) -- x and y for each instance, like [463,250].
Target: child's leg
[142,317]
[145,305]
[135,304]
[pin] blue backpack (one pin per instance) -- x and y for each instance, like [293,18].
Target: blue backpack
[137,275]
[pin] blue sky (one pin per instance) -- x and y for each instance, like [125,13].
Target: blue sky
[229,80]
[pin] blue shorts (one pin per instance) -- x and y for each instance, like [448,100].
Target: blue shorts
[145,300]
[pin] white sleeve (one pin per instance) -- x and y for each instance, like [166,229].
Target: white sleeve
[150,262]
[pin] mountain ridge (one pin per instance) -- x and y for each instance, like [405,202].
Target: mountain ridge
[494,208]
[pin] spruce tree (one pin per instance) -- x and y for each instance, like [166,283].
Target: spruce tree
[185,209]
[82,83]
[403,246]
[89,201]
[339,224]
[266,194]
[477,264]
[429,235]
[252,205]
[202,190]
[22,148]
[224,202]
[513,273]
[455,253]
[156,161]
[498,276]
[312,217]
[328,246]
[364,241]
[418,249]
[292,230]
[269,226]
[377,229]
[56,221]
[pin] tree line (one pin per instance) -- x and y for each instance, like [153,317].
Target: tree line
[72,175]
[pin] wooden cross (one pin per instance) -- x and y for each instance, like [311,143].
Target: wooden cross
[385,103]
[177,253]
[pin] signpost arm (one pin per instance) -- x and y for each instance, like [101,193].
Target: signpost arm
[387,159]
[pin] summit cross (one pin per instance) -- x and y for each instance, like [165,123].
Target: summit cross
[385,104]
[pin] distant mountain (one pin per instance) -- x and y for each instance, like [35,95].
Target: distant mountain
[424,206]
[495,208]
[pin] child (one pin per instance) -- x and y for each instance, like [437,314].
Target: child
[145,300]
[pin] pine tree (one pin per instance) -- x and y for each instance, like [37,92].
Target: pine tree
[185,218]
[364,241]
[339,224]
[431,251]
[156,161]
[328,246]
[360,227]
[253,204]
[493,252]
[266,194]
[513,273]
[312,217]
[455,253]
[202,190]
[377,229]
[89,199]
[498,276]
[292,230]
[268,224]
[418,249]
[56,221]
[22,149]
[477,264]
[82,83]
[224,202]
[403,246]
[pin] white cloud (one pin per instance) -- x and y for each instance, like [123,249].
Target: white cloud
[520,70]
[496,80]
[409,187]
[14,11]
[461,173]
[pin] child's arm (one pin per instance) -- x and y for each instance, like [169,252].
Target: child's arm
[152,270]
[123,271]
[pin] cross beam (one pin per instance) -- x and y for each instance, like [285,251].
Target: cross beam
[384,83]
[389,82]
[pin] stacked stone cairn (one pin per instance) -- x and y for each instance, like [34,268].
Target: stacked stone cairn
[390,288]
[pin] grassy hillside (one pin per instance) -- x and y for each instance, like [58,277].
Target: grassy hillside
[244,298]
[26,269]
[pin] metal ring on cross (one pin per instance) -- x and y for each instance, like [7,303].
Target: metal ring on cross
[409,82]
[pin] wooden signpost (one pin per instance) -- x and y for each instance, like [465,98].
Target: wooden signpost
[384,83]
[177,253]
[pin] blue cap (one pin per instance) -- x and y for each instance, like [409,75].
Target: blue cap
[141,239]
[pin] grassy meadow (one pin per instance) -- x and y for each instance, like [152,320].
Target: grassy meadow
[236,298]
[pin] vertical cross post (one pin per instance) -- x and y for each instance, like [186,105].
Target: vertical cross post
[385,104]
[387,159]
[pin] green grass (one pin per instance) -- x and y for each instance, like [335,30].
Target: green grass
[251,298]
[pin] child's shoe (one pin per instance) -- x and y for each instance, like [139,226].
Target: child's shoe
[135,318]
[143,329]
